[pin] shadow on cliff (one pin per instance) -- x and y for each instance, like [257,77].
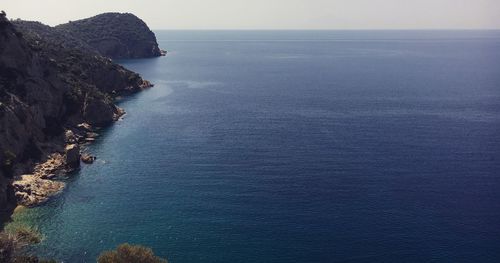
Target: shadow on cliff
[6,212]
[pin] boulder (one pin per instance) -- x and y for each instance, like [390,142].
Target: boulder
[70,137]
[92,135]
[72,154]
[85,127]
[87,158]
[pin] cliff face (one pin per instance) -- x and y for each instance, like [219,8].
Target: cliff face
[114,35]
[48,88]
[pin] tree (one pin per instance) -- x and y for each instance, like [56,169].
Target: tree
[126,253]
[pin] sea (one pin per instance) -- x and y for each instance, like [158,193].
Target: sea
[296,146]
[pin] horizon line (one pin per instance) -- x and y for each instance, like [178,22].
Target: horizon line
[333,29]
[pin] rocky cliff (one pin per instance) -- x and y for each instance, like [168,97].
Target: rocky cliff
[114,35]
[53,91]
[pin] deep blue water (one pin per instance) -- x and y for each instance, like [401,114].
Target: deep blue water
[319,146]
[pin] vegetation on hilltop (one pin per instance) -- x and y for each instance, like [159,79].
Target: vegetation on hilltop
[39,34]
[114,35]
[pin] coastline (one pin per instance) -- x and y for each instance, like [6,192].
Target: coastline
[49,180]
[56,93]
[33,217]
[58,88]
[46,180]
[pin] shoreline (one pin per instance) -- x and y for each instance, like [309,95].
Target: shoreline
[60,88]
[47,177]
[44,182]
[55,171]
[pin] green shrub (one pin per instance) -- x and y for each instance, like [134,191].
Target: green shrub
[126,253]
[13,243]
[27,235]
[23,234]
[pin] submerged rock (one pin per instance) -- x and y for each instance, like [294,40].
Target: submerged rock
[85,127]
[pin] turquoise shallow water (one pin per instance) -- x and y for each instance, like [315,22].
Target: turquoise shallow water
[319,146]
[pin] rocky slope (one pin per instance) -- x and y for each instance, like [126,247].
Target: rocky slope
[114,35]
[54,92]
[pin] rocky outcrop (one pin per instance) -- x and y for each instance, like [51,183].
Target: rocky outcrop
[32,190]
[114,35]
[54,166]
[72,153]
[87,158]
[98,112]
[51,94]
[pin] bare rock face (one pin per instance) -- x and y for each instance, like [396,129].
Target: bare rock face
[31,190]
[52,167]
[98,112]
[72,152]
[70,137]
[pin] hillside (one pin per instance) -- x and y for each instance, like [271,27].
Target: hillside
[53,92]
[114,35]
[55,39]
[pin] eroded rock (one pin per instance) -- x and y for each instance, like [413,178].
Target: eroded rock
[92,135]
[85,127]
[98,112]
[87,158]
[49,169]
[31,190]
[70,137]
[72,154]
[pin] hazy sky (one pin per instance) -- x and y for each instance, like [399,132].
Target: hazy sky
[272,14]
